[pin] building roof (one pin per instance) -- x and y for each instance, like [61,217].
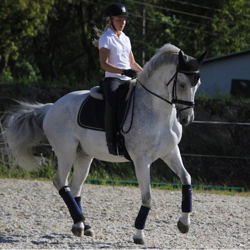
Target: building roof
[212,59]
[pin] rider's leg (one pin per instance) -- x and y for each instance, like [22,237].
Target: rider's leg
[109,88]
[110,129]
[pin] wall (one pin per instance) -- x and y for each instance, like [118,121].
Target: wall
[217,75]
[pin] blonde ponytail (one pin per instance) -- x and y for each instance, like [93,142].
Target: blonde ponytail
[98,34]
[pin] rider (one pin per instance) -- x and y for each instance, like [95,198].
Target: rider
[117,59]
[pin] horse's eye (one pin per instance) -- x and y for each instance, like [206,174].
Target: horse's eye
[182,85]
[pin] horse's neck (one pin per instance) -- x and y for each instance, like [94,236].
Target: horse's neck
[152,105]
[157,83]
[156,80]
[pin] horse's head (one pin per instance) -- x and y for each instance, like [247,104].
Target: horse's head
[181,78]
[186,83]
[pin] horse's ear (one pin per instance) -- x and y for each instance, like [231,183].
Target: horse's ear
[202,57]
[181,58]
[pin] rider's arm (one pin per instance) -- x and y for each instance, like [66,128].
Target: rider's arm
[133,64]
[104,62]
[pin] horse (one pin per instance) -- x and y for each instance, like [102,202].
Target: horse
[163,102]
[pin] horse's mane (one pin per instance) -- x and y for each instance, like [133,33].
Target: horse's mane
[167,54]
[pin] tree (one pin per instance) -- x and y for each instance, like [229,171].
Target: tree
[220,27]
[231,23]
[54,37]
[63,50]
[20,20]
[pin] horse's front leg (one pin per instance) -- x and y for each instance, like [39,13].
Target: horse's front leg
[142,170]
[174,161]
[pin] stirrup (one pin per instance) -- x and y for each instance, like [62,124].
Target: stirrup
[113,148]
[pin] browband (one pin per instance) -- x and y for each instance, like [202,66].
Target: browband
[189,72]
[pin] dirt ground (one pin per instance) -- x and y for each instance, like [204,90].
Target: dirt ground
[33,216]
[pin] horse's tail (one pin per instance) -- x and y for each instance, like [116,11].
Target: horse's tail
[22,130]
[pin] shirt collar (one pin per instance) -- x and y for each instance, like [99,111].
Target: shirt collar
[111,32]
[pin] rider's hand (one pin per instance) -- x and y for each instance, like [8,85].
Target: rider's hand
[130,73]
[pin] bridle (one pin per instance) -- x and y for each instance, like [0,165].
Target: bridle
[175,99]
[174,94]
[182,67]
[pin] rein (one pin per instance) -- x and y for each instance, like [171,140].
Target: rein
[154,93]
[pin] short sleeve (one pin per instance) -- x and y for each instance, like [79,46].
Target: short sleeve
[104,42]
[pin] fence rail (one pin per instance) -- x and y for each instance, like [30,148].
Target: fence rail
[195,155]
[223,123]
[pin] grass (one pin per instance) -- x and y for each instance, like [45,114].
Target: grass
[122,174]
[47,172]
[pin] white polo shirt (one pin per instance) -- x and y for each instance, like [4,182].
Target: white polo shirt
[120,48]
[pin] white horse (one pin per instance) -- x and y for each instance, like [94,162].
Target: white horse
[164,100]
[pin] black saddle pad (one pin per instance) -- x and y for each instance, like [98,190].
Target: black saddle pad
[91,114]
[92,111]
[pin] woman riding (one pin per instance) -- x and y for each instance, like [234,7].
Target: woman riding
[117,59]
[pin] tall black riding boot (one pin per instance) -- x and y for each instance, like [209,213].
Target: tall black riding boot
[110,129]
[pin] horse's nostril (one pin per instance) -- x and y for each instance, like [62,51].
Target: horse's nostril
[184,121]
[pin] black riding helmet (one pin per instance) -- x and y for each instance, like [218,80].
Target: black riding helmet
[116,9]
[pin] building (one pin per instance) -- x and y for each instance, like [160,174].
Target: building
[227,74]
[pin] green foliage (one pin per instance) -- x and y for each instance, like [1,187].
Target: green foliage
[24,69]
[47,171]
[112,171]
[20,19]
[52,39]
[15,172]
[6,76]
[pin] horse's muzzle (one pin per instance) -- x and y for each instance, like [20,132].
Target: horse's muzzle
[185,119]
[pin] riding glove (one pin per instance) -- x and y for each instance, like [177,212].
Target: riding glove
[130,73]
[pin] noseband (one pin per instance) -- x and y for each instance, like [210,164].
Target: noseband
[175,100]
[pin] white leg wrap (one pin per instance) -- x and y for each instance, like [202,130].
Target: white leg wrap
[185,218]
[139,234]
[78,229]
[79,225]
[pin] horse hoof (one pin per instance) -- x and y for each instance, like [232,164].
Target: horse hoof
[88,231]
[182,227]
[139,241]
[78,231]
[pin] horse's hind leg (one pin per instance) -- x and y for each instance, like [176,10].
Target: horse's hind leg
[66,155]
[174,161]
[80,173]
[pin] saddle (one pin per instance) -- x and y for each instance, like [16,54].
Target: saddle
[91,114]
